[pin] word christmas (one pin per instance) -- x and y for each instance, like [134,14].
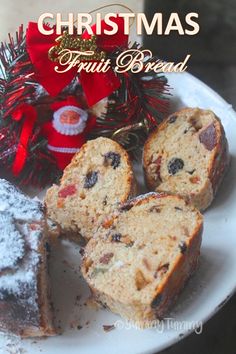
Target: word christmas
[83,21]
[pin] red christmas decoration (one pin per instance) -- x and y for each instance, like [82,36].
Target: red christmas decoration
[38,46]
[68,130]
[45,116]
[29,114]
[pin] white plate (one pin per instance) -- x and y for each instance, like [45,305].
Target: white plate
[204,295]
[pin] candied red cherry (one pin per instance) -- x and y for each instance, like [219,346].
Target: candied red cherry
[67,191]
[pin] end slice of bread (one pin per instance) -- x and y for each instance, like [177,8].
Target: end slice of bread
[141,257]
[187,155]
[25,294]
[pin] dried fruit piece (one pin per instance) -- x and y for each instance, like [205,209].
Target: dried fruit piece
[162,269]
[113,159]
[82,196]
[175,165]
[67,191]
[60,203]
[91,179]
[140,280]
[105,259]
[88,262]
[172,119]
[127,240]
[155,209]
[208,137]
[116,237]
[194,179]
[196,123]
[183,247]
[107,223]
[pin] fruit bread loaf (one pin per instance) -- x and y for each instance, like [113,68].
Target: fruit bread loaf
[25,308]
[187,155]
[141,257]
[98,179]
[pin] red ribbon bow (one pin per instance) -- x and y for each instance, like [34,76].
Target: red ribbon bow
[96,86]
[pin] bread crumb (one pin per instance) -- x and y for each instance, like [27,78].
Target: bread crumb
[108,328]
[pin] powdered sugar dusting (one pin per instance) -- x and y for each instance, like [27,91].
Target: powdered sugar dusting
[17,204]
[23,277]
[21,226]
[11,345]
[12,244]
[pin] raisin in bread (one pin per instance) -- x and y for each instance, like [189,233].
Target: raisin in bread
[139,259]
[25,308]
[187,155]
[98,179]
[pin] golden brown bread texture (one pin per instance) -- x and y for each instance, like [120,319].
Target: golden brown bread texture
[25,307]
[141,257]
[188,155]
[99,177]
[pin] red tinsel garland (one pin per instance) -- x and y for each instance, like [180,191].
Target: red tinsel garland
[133,110]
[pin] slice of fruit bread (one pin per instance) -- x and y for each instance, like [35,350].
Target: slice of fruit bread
[140,259]
[98,179]
[187,155]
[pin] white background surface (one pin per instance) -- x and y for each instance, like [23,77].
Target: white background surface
[206,292]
